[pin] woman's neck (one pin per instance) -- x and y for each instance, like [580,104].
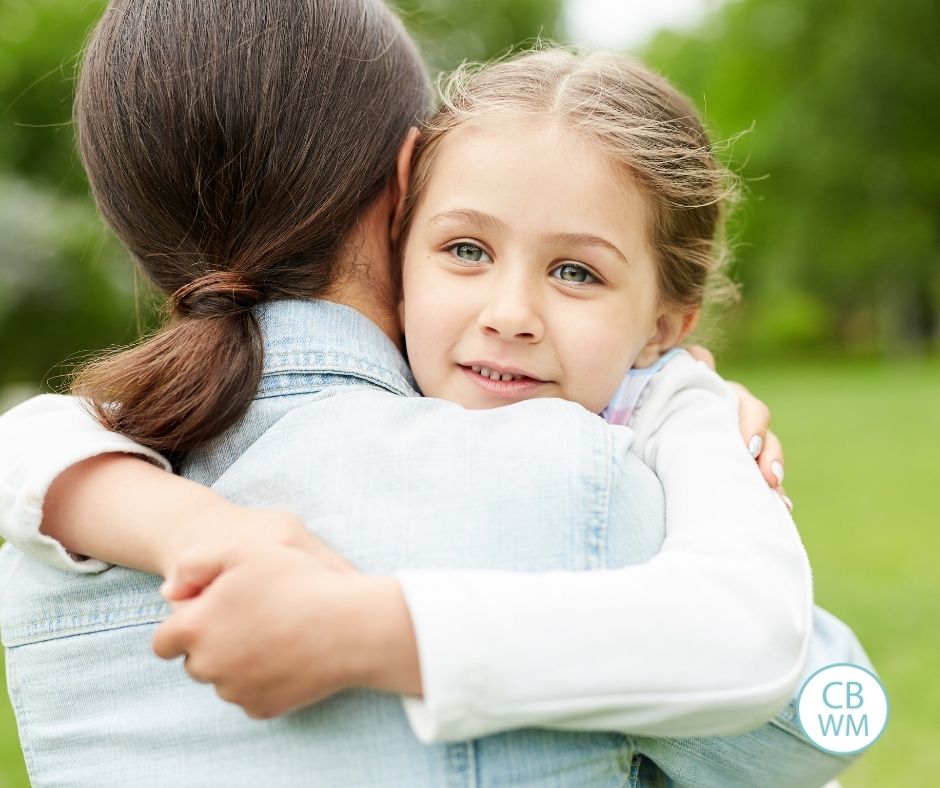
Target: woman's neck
[366,281]
[370,305]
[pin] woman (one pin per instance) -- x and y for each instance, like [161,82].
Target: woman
[265,167]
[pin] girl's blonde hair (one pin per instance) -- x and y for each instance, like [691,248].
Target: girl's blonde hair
[633,117]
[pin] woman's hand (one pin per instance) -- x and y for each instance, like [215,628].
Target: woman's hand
[754,419]
[281,628]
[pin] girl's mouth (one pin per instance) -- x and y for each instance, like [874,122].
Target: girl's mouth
[510,384]
[492,374]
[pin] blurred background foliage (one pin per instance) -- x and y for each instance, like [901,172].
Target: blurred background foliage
[837,242]
[837,246]
[839,238]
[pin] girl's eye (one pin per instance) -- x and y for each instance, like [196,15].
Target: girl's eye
[576,274]
[469,253]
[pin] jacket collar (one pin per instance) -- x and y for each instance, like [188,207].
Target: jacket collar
[322,337]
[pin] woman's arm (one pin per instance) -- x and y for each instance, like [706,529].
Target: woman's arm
[778,753]
[278,601]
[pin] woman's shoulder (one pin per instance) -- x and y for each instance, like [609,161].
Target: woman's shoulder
[553,435]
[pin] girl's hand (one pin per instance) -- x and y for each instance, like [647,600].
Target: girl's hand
[754,418]
[277,630]
[198,556]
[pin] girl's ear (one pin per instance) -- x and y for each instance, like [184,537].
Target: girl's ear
[402,180]
[689,322]
[671,328]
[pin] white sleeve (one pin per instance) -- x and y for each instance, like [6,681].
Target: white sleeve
[40,439]
[707,638]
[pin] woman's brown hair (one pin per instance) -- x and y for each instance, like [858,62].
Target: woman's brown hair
[232,145]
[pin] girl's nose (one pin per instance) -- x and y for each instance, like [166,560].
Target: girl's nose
[511,313]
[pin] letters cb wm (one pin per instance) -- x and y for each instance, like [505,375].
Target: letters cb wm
[842,708]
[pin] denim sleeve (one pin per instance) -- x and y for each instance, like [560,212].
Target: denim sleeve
[776,755]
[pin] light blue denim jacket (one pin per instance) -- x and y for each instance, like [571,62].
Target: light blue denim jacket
[95,708]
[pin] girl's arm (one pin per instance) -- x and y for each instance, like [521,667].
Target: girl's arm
[43,438]
[730,587]
[708,637]
[72,489]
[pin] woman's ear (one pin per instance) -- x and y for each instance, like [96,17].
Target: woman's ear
[672,327]
[402,180]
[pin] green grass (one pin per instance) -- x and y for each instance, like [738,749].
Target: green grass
[862,457]
[861,467]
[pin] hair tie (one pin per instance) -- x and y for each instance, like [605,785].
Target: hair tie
[216,294]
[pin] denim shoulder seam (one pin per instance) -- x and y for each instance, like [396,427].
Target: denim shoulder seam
[15,635]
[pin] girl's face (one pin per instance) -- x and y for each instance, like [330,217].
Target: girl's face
[527,271]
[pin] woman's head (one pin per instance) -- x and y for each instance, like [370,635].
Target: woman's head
[564,221]
[233,147]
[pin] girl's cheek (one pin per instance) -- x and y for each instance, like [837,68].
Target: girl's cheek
[401,315]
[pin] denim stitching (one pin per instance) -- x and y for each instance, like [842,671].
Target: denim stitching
[68,626]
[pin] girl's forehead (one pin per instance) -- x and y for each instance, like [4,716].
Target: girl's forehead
[501,129]
[528,181]
[503,157]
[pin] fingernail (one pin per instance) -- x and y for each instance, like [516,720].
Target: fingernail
[788,502]
[166,588]
[755,446]
[776,468]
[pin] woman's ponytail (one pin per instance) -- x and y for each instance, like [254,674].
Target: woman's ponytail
[190,381]
[233,147]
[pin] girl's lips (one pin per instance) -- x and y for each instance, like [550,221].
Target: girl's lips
[511,389]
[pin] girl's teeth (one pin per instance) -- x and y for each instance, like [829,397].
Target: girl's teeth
[494,375]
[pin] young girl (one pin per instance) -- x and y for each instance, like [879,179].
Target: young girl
[559,231]
[563,225]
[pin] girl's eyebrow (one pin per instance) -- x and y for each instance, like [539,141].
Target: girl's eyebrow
[586,239]
[469,216]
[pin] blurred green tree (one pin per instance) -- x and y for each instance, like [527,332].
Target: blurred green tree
[838,241]
[40,42]
[63,285]
[841,238]
[451,31]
